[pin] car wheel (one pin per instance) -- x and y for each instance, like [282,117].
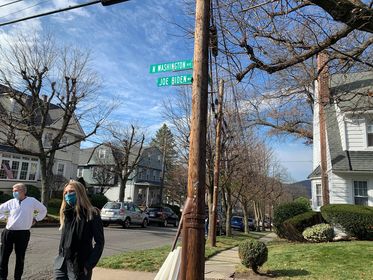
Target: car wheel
[105,224]
[144,223]
[176,223]
[126,223]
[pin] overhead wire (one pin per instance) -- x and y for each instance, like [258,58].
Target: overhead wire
[10,3]
[21,10]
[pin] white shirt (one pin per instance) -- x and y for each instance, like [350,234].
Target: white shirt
[21,215]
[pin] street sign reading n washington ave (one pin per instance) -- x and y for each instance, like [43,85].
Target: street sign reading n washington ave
[171,66]
[175,80]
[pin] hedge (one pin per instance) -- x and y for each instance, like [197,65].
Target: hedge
[284,212]
[295,226]
[356,220]
[319,233]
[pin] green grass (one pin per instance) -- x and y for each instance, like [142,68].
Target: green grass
[152,259]
[332,261]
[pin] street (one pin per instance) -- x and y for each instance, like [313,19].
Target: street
[44,243]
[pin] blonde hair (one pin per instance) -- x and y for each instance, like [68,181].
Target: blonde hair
[82,203]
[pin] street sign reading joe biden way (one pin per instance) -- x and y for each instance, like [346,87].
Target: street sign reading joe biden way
[171,66]
[175,80]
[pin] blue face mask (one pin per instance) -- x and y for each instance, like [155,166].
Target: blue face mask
[16,195]
[70,198]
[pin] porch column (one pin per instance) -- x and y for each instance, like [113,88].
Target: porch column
[147,196]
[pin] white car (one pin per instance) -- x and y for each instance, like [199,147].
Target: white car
[123,213]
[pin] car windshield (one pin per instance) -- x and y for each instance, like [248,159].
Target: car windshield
[236,219]
[112,205]
[153,209]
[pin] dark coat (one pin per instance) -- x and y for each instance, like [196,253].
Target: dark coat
[76,241]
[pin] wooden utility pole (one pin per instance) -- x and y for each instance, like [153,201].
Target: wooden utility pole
[323,99]
[193,242]
[212,232]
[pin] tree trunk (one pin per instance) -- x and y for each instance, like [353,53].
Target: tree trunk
[245,216]
[122,188]
[229,212]
[46,176]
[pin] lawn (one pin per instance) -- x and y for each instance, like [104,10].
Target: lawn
[335,260]
[152,259]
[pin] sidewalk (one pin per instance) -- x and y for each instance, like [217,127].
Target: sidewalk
[221,266]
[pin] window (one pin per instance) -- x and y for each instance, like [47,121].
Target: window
[370,134]
[318,195]
[48,138]
[15,167]
[5,172]
[101,153]
[24,169]
[361,192]
[60,169]
[63,142]
[33,170]
[80,172]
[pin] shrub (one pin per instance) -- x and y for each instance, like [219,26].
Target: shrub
[98,200]
[319,233]
[33,191]
[305,201]
[55,203]
[284,212]
[356,220]
[294,226]
[253,253]
[4,197]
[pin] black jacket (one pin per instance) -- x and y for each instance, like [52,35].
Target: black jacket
[76,240]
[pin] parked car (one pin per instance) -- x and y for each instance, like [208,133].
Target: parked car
[237,222]
[162,216]
[123,213]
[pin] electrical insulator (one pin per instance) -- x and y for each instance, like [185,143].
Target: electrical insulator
[214,40]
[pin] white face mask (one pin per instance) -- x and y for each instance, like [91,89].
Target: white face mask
[16,195]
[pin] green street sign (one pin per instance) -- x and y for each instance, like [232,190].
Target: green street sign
[175,80]
[171,66]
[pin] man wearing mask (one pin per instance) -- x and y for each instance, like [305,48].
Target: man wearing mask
[20,214]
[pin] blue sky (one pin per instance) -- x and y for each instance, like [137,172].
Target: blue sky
[125,39]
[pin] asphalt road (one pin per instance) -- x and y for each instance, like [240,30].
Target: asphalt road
[44,243]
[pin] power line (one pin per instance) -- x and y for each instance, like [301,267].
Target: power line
[10,3]
[51,12]
[16,12]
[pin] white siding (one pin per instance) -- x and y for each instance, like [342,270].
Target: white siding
[340,190]
[355,135]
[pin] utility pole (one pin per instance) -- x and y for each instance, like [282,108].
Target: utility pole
[193,242]
[212,232]
[163,167]
[323,99]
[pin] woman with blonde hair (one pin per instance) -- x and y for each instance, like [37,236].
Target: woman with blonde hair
[80,224]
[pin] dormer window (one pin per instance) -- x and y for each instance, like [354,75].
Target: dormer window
[370,134]
[101,154]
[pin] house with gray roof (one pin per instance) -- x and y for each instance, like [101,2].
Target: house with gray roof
[143,186]
[16,167]
[349,141]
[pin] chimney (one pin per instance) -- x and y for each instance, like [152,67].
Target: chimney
[323,99]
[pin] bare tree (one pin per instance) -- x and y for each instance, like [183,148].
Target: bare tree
[50,90]
[126,146]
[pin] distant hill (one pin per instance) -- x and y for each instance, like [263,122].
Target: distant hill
[301,188]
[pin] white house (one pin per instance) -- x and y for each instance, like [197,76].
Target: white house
[349,141]
[143,186]
[16,167]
